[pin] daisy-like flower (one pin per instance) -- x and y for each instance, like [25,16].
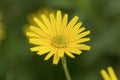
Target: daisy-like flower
[55,36]
[2,33]
[110,75]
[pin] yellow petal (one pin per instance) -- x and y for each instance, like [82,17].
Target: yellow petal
[79,46]
[112,73]
[50,54]
[81,40]
[41,25]
[105,75]
[64,23]
[39,41]
[48,24]
[81,29]
[74,30]
[60,52]
[38,48]
[39,32]
[56,58]
[32,35]
[59,21]
[35,48]
[71,23]
[74,50]
[77,32]
[44,50]
[81,35]
[53,51]
[78,25]
[84,47]
[69,53]
[53,22]
[73,35]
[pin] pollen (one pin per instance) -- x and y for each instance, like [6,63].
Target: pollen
[59,41]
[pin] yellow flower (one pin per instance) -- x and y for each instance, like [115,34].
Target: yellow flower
[110,75]
[55,36]
[2,33]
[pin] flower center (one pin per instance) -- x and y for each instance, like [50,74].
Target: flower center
[59,41]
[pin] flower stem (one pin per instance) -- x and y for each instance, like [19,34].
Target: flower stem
[64,64]
[10,75]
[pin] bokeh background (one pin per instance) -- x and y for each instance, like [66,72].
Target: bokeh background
[102,17]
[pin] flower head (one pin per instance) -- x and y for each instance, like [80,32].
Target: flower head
[110,75]
[55,36]
[2,33]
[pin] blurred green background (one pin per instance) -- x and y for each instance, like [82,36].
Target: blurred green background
[102,17]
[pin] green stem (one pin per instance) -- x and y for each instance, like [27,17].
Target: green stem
[9,75]
[64,64]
